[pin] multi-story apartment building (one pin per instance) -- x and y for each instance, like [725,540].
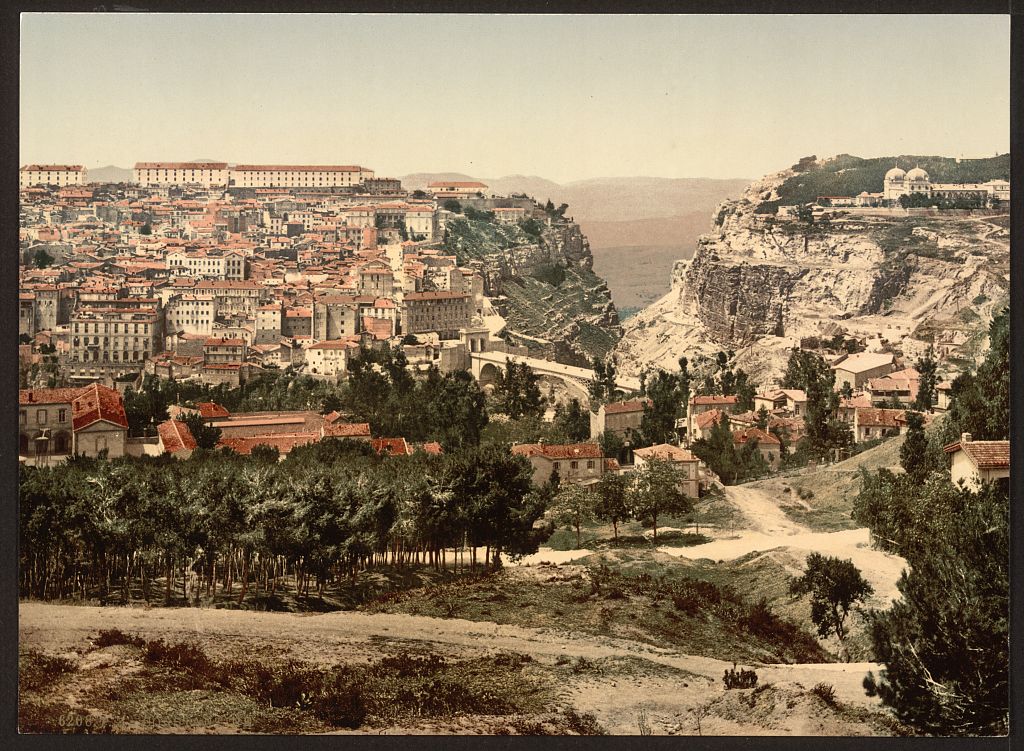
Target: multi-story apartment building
[56,423]
[26,314]
[233,296]
[228,264]
[218,351]
[376,279]
[420,221]
[443,312]
[377,186]
[330,358]
[52,174]
[181,173]
[335,316]
[298,175]
[190,314]
[110,341]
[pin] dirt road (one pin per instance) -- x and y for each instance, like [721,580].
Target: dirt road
[635,680]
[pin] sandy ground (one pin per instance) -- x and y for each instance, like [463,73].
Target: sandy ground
[634,680]
[768,528]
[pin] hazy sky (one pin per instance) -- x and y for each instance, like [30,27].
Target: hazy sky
[564,97]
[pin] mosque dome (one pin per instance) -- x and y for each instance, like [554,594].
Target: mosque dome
[895,174]
[917,174]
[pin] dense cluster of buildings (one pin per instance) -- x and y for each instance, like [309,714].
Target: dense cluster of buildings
[213,272]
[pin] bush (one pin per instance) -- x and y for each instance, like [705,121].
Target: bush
[583,724]
[825,692]
[37,671]
[739,679]
[114,636]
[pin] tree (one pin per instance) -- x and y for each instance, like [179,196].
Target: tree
[927,367]
[452,205]
[602,385]
[572,421]
[517,391]
[945,641]
[834,586]
[146,229]
[762,418]
[611,444]
[574,504]
[613,500]
[915,453]
[658,422]
[980,403]
[654,489]
[206,436]
[41,258]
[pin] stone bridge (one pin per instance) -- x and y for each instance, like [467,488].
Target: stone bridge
[485,367]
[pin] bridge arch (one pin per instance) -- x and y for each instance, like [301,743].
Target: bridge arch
[489,373]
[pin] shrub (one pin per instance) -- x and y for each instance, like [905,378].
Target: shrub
[114,636]
[583,724]
[825,692]
[37,671]
[739,679]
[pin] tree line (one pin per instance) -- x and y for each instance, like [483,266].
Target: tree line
[219,522]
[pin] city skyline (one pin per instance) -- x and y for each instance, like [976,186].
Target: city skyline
[563,97]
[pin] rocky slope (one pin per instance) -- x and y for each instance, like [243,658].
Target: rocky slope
[757,283]
[543,284]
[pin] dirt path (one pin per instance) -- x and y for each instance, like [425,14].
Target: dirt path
[763,515]
[630,680]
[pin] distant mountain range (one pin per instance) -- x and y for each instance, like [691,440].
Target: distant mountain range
[110,174]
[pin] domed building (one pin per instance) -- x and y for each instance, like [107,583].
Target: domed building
[898,183]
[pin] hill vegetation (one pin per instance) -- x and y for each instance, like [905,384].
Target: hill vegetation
[847,175]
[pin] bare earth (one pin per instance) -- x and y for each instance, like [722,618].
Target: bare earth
[631,686]
[666,685]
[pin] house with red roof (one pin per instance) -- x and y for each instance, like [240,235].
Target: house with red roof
[174,437]
[683,460]
[976,462]
[581,463]
[56,423]
[768,445]
[619,418]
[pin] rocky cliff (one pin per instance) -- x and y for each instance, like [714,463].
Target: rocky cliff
[759,282]
[541,279]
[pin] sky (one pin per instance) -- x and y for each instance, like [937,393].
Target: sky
[563,97]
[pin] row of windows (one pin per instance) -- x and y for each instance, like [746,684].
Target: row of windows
[42,414]
[574,464]
[106,328]
[95,356]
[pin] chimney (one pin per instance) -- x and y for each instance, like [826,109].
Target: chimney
[965,438]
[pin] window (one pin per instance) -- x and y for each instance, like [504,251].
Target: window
[62,415]
[590,463]
[24,417]
[40,416]
[574,465]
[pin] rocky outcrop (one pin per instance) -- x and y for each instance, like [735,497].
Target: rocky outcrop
[544,285]
[758,283]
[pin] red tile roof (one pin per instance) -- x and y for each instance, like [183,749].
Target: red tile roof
[707,419]
[211,409]
[559,451]
[714,399]
[391,446]
[755,434]
[984,454]
[347,430]
[95,403]
[47,396]
[879,418]
[665,451]
[617,408]
[283,443]
[175,436]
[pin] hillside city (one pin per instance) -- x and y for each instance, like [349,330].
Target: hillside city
[307,387]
